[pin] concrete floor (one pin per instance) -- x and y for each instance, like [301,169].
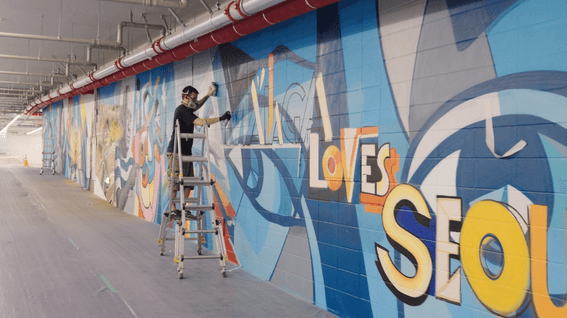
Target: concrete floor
[66,253]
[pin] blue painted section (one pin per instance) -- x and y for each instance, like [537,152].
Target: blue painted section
[525,39]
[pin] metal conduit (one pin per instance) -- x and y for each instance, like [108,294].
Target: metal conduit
[46,59]
[44,38]
[2,89]
[16,96]
[31,84]
[156,3]
[13,98]
[32,74]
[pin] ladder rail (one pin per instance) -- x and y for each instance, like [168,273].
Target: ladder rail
[216,223]
[202,175]
[179,242]
[167,216]
[48,151]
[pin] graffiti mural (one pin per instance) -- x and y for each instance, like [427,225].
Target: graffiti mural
[398,159]
[49,123]
[153,91]
[69,122]
[109,129]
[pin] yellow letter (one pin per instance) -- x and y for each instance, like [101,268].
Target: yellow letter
[409,287]
[502,291]
[538,248]
[447,286]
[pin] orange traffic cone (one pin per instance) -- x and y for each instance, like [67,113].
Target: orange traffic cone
[26,164]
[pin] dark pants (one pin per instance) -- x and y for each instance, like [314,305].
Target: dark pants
[187,170]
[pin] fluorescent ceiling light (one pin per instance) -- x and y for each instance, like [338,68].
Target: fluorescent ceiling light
[31,132]
[10,123]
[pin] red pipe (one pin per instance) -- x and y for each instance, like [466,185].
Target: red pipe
[183,51]
[225,35]
[203,43]
[229,33]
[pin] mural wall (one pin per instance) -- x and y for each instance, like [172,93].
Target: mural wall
[69,123]
[398,159]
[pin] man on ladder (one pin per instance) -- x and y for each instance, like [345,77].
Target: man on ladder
[184,121]
[185,113]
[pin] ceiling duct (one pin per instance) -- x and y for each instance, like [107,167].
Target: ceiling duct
[239,18]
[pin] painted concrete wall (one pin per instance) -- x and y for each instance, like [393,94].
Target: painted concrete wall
[70,124]
[385,159]
[3,143]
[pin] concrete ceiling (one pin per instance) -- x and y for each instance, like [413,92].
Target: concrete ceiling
[78,19]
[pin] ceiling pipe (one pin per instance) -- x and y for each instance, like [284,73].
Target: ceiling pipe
[19,108]
[47,59]
[19,90]
[131,24]
[121,49]
[156,3]
[16,96]
[237,20]
[13,99]
[45,38]
[16,93]
[31,84]
[32,74]
[109,45]
[177,18]
[206,6]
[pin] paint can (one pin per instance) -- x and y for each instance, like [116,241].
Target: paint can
[215,88]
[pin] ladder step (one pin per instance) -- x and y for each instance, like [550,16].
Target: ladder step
[199,231]
[187,200]
[195,181]
[48,153]
[193,159]
[201,257]
[195,207]
[201,136]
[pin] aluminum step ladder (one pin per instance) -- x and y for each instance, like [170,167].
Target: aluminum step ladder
[48,155]
[192,209]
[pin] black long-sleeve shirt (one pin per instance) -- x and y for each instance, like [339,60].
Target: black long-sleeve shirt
[186,118]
